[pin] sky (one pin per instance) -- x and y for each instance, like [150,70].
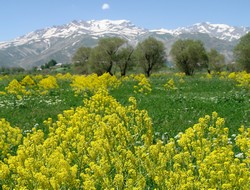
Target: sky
[19,17]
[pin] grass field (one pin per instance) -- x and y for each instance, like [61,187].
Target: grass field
[172,111]
[104,132]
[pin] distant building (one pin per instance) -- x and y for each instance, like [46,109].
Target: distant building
[58,64]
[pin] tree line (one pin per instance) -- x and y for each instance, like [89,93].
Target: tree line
[114,54]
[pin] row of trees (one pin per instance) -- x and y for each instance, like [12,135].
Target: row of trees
[188,55]
[11,70]
[116,53]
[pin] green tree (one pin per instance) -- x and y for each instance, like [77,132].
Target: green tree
[51,63]
[216,61]
[99,61]
[242,52]
[124,58]
[189,55]
[103,57]
[81,59]
[151,55]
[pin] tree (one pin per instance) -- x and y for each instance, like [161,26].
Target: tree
[81,59]
[242,52]
[51,63]
[104,56]
[99,61]
[151,55]
[124,58]
[216,61]
[189,55]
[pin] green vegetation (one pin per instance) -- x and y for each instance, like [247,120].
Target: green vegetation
[132,131]
[32,111]
[51,63]
[113,53]
[80,60]
[241,52]
[216,61]
[189,55]
[111,131]
[151,55]
[172,110]
[104,56]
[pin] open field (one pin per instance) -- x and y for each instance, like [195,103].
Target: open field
[172,110]
[162,132]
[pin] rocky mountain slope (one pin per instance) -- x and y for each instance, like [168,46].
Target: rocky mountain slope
[60,42]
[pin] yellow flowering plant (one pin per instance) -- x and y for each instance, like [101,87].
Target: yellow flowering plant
[10,139]
[27,81]
[105,145]
[85,148]
[16,89]
[66,76]
[47,84]
[243,79]
[170,85]
[143,86]
[90,84]
[28,86]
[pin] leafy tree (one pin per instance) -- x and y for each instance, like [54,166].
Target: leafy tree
[51,63]
[242,52]
[233,67]
[104,56]
[99,61]
[216,61]
[189,55]
[151,55]
[81,59]
[124,58]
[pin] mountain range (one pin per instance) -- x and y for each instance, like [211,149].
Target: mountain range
[61,42]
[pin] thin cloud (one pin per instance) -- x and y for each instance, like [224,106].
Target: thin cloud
[105,6]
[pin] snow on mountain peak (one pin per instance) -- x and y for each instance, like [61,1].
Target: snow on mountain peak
[122,28]
[220,31]
[94,28]
[108,22]
[36,47]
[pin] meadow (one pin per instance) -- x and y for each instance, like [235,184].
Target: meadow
[168,131]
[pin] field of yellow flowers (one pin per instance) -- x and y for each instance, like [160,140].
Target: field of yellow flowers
[168,131]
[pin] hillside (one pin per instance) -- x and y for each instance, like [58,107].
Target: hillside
[60,42]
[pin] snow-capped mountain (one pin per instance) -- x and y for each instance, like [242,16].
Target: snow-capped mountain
[220,31]
[61,42]
[74,29]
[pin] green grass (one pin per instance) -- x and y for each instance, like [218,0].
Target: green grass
[33,110]
[172,111]
[176,110]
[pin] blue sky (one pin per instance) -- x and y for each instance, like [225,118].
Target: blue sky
[18,17]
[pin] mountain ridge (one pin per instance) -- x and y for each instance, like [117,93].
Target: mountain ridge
[220,31]
[60,42]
